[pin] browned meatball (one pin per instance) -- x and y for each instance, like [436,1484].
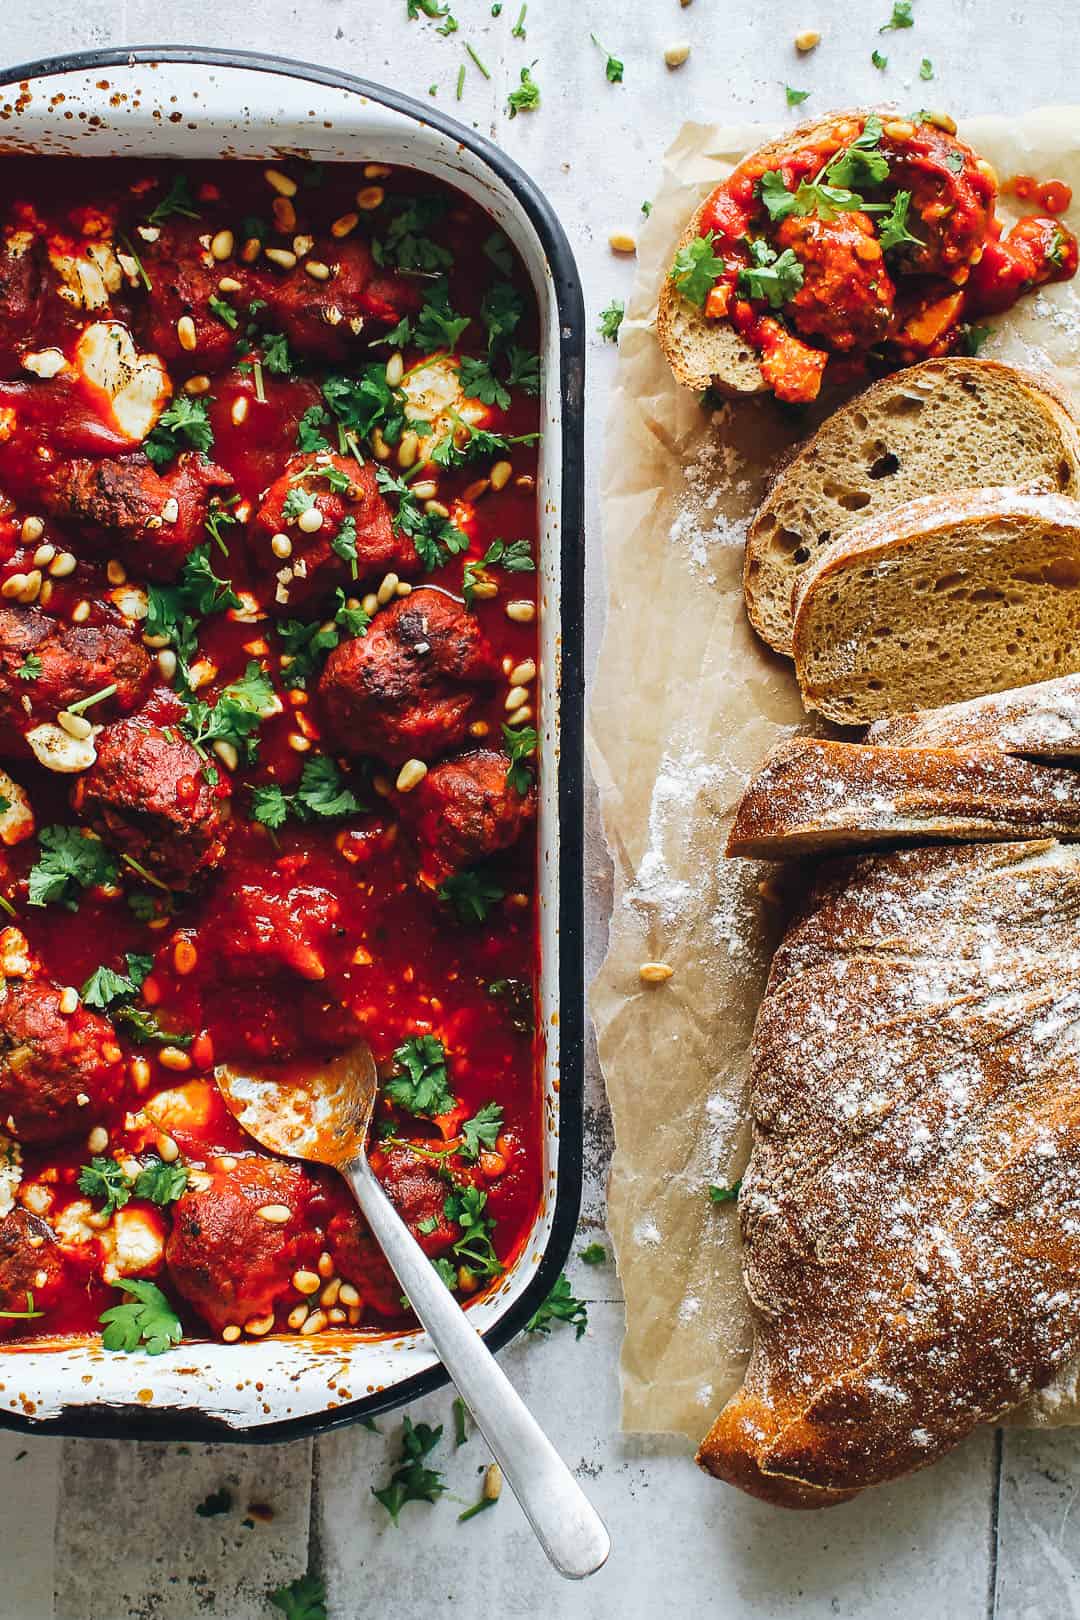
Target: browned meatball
[406,689]
[75,660]
[184,279]
[314,567]
[122,506]
[464,810]
[22,290]
[846,297]
[148,796]
[952,200]
[232,1262]
[325,317]
[31,1268]
[58,1071]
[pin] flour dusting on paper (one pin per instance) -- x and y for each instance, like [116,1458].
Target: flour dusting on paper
[686,704]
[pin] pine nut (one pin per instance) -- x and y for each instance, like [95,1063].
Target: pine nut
[32,530]
[987,171]
[69,1000]
[473,491]
[622,242]
[229,284]
[281,546]
[63,565]
[379,447]
[140,1072]
[222,244]
[170,512]
[386,590]
[523,673]
[302,245]
[520,717]
[31,586]
[227,754]
[44,555]
[284,215]
[185,332]
[807,39]
[404,588]
[257,1326]
[45,593]
[240,407]
[485,589]
[98,1140]
[199,384]
[230,1333]
[493,1483]
[80,612]
[408,449]
[305,1282]
[297,1317]
[941,120]
[521,612]
[282,257]
[298,743]
[115,572]
[317,270]
[500,474]
[410,776]
[425,489]
[395,370]
[325,1266]
[311,521]
[344,226]
[348,1295]
[74,724]
[516,696]
[185,957]
[654,972]
[251,250]
[283,184]
[329,1295]
[166,663]
[370,604]
[900,129]
[370,197]
[314,1324]
[336,1316]
[174,1057]
[377,171]
[479,728]
[436,509]
[274,1214]
[676,55]
[226,1162]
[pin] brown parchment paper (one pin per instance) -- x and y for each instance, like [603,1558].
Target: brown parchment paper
[686,704]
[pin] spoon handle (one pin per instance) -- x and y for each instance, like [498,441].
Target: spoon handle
[567,1526]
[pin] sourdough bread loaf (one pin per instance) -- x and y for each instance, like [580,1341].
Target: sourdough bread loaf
[1040,721]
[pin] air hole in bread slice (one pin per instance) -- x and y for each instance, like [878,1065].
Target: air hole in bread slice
[884,466]
[904,405]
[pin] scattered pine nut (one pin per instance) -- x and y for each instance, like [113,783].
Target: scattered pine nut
[676,55]
[69,1000]
[500,474]
[807,39]
[283,184]
[410,776]
[186,334]
[493,1483]
[274,1214]
[521,612]
[654,972]
[370,197]
[230,1333]
[622,242]
[32,529]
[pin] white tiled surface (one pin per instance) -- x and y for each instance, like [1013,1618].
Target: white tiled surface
[991,1531]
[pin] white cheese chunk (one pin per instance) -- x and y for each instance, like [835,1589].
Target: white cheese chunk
[17,820]
[58,751]
[136,386]
[434,394]
[88,277]
[10,1172]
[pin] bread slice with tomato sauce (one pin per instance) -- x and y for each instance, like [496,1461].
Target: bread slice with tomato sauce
[926,430]
[940,600]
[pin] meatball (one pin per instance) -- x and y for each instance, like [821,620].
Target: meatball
[58,1071]
[259,929]
[324,317]
[124,507]
[31,1267]
[75,660]
[419,1193]
[148,796]
[22,291]
[951,199]
[230,1253]
[406,689]
[184,279]
[464,810]
[273,1022]
[846,297]
[315,482]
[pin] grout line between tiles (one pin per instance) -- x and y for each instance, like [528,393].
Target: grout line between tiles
[995,1518]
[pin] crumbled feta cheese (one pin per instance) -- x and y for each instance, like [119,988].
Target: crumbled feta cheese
[10,1172]
[136,386]
[17,820]
[58,751]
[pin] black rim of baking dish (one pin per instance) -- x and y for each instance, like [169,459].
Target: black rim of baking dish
[186,1423]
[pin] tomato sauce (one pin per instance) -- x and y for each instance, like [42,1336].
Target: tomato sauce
[303,935]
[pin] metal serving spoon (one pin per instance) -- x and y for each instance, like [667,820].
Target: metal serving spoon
[323,1114]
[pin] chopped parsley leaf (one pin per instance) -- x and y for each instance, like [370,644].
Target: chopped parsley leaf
[512,555]
[972,338]
[177,200]
[145,1321]
[161,1183]
[412,1480]
[879,61]
[143,1027]
[499,251]
[465,1206]
[520,744]
[613,68]
[611,318]
[69,862]
[901,17]
[224,312]
[771,276]
[184,425]
[30,668]
[526,98]
[302,1599]
[893,230]
[725,1195]
[424,1088]
[106,1182]
[594,1254]
[795,98]
[482,1130]
[926,68]
[106,986]
[309,436]
[471,894]
[696,268]
[560,1306]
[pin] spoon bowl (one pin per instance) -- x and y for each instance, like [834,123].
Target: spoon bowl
[319,1112]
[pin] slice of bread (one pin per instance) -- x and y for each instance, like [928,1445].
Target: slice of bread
[935,427]
[943,599]
[711,354]
[813,797]
[1040,722]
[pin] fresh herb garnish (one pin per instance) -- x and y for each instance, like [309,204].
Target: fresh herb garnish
[224,312]
[30,669]
[526,98]
[177,200]
[424,1088]
[724,1195]
[901,17]
[461,1413]
[893,231]
[696,268]
[70,862]
[472,894]
[436,538]
[771,276]
[304,1598]
[879,61]
[465,1206]
[481,1131]
[322,794]
[184,425]
[611,318]
[146,1320]
[795,98]
[560,1306]
[412,1480]
[613,68]
[309,436]
[520,744]
[105,1181]
[594,1254]
[499,251]
[236,716]
[407,245]
[512,555]
[926,68]
[144,1028]
[972,338]
[106,986]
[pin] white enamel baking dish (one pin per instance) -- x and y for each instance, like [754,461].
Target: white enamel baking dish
[177,102]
